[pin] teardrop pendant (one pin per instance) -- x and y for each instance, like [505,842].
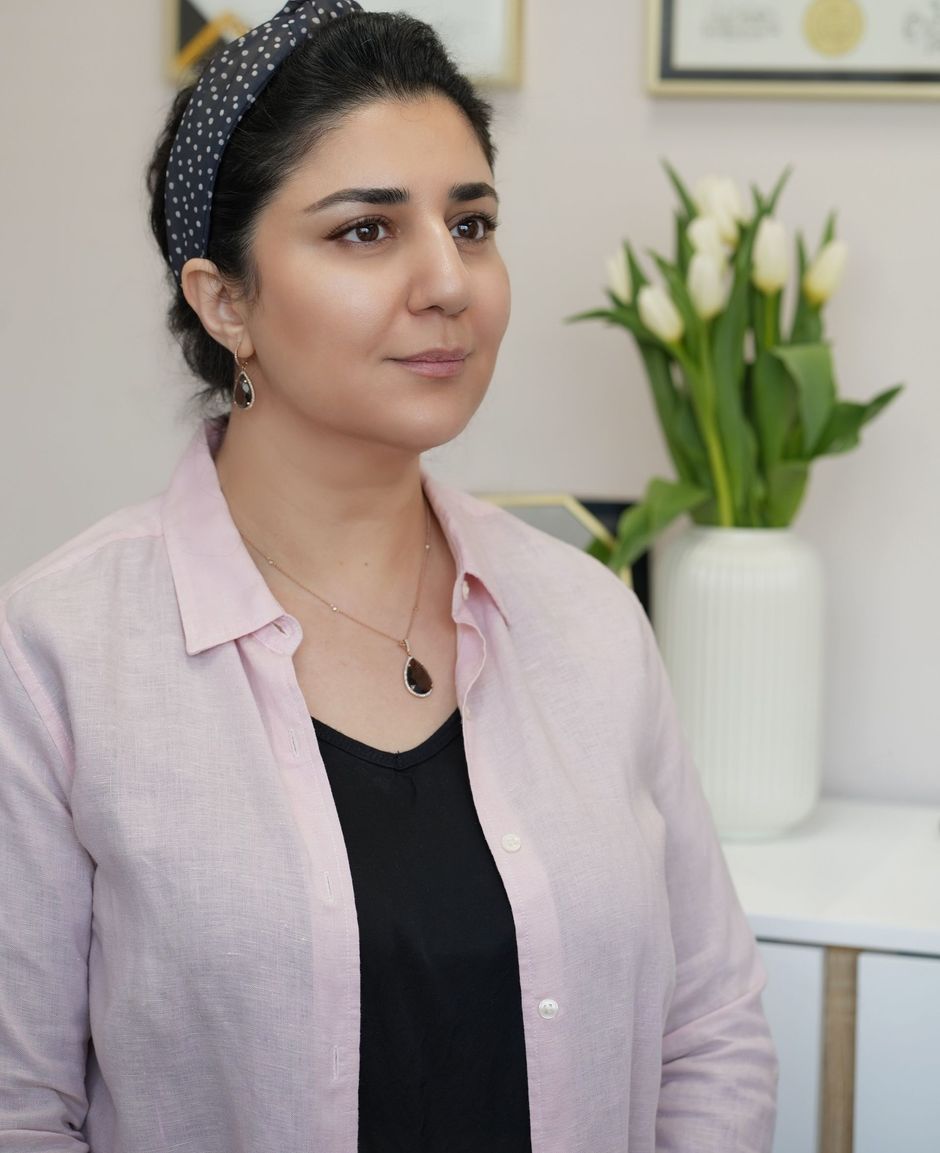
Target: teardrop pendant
[243,393]
[417,678]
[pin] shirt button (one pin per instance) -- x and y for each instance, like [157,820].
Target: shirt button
[465,589]
[548,1008]
[512,843]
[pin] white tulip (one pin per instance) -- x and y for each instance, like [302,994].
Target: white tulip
[709,284]
[718,197]
[618,276]
[771,256]
[704,236]
[659,314]
[824,274]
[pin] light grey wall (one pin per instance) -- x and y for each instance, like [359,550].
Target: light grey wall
[94,396]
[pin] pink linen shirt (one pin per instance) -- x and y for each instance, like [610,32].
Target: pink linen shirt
[178,939]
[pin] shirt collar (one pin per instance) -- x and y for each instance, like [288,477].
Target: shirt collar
[468,524]
[221,593]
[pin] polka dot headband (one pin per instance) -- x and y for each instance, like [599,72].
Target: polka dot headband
[224,93]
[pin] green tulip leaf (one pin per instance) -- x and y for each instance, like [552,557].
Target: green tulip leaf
[638,277]
[731,325]
[786,487]
[638,526]
[807,322]
[757,490]
[771,203]
[774,403]
[765,317]
[594,314]
[829,232]
[684,249]
[685,198]
[689,437]
[810,366]
[728,352]
[847,420]
[668,499]
[599,549]
[682,300]
[668,407]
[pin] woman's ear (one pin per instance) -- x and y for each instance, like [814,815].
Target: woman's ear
[209,297]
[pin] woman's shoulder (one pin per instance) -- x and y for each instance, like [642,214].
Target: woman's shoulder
[530,564]
[79,575]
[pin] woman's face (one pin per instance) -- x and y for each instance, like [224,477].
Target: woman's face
[376,251]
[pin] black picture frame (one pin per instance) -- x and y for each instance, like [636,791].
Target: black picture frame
[915,23]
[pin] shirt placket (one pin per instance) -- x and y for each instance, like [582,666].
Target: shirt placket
[334,995]
[525,879]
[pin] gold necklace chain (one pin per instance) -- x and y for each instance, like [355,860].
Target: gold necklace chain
[403,642]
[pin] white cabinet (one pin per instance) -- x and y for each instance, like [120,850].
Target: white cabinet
[897,1055]
[846,911]
[793,1003]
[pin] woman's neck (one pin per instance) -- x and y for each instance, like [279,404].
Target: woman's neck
[345,517]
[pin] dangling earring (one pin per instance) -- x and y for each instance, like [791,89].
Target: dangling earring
[243,392]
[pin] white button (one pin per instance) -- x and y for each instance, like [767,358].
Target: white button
[465,589]
[548,1008]
[511,843]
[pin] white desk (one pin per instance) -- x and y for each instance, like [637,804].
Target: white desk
[847,912]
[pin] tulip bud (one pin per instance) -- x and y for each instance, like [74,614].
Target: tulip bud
[709,285]
[618,277]
[823,275]
[659,314]
[718,197]
[704,236]
[771,256]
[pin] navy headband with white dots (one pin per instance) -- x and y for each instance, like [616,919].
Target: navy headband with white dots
[224,93]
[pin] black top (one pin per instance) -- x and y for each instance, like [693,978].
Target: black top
[442,1055]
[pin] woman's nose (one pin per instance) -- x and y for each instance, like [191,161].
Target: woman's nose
[439,275]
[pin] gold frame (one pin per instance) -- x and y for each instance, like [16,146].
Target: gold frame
[512,77]
[565,500]
[181,58]
[770,89]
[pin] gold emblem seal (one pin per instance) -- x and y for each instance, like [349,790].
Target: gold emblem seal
[834,27]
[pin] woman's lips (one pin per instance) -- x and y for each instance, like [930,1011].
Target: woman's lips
[435,368]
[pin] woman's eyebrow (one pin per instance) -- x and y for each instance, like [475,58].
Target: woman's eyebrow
[459,193]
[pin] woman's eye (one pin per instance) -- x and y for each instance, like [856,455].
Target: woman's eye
[365,232]
[474,228]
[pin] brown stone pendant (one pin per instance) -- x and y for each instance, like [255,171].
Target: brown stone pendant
[417,678]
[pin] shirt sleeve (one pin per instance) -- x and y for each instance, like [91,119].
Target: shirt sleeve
[718,1091]
[45,895]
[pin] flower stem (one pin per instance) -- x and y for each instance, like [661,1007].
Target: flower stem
[770,315]
[704,401]
[713,446]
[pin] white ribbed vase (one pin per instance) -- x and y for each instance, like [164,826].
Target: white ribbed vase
[738,615]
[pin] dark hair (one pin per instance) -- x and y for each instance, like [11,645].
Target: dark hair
[349,62]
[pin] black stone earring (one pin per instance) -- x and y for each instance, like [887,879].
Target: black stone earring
[243,392]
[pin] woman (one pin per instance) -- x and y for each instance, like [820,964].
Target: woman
[237,916]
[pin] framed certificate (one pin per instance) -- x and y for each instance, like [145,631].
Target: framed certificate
[815,48]
[485,37]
